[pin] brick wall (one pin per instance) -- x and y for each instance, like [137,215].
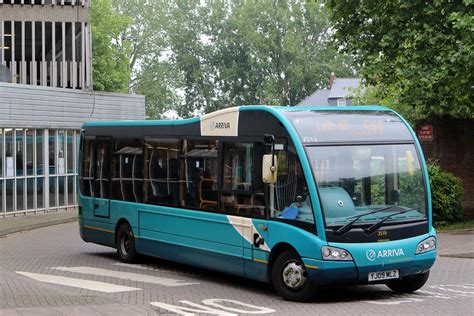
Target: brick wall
[453,147]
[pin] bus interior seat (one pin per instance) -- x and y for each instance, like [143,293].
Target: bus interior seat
[207,196]
[336,202]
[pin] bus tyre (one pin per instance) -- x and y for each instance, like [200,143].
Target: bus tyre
[126,244]
[410,283]
[290,278]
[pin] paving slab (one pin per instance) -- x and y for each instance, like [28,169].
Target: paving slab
[456,244]
[92,310]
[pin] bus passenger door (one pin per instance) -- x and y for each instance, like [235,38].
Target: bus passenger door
[102,149]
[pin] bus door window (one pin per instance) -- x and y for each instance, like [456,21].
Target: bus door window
[127,170]
[87,170]
[161,171]
[242,188]
[199,179]
[101,172]
[292,202]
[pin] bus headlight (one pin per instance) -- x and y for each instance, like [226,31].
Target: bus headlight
[333,253]
[426,245]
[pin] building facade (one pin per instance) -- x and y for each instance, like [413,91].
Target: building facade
[45,96]
[47,42]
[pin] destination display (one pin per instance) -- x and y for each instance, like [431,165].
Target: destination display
[347,126]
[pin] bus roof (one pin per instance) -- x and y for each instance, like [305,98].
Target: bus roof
[271,109]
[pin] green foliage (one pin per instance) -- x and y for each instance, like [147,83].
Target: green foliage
[412,188]
[110,50]
[446,193]
[416,53]
[194,57]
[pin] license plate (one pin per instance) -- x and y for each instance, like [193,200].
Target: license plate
[383,275]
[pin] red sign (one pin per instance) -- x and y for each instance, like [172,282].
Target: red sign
[425,132]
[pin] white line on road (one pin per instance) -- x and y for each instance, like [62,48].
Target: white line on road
[136,266]
[125,276]
[78,283]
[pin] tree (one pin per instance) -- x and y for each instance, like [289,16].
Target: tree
[110,51]
[417,53]
[194,57]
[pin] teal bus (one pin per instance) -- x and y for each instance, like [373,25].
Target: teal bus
[299,197]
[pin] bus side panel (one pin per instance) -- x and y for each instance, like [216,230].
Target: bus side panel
[95,229]
[191,237]
[305,243]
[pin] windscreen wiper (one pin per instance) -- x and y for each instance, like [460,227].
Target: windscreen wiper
[347,227]
[377,225]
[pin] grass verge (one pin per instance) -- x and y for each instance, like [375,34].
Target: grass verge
[467,224]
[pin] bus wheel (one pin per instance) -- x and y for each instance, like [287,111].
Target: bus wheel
[410,283]
[126,244]
[290,278]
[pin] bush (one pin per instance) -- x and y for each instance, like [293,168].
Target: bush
[446,193]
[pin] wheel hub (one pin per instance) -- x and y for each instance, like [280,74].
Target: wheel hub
[294,275]
[125,244]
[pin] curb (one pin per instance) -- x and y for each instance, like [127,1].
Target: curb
[465,231]
[8,231]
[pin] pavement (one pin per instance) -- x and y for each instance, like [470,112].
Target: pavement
[24,222]
[51,271]
[455,244]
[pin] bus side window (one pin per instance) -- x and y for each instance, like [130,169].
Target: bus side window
[242,190]
[127,170]
[198,176]
[292,201]
[161,171]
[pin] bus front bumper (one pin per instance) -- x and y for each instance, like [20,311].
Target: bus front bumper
[396,255]
[323,272]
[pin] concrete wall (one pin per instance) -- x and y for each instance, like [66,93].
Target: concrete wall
[453,147]
[44,13]
[48,45]
[45,107]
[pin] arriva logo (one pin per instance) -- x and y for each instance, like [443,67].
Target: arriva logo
[219,125]
[372,254]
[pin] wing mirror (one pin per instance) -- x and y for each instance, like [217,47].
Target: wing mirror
[269,162]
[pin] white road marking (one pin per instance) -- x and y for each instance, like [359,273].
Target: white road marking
[216,307]
[78,283]
[395,302]
[137,266]
[434,294]
[444,293]
[125,276]
[443,288]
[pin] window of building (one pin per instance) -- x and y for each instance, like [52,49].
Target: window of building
[341,102]
[52,151]
[9,152]
[39,152]
[161,171]
[1,152]
[30,144]
[127,170]
[70,138]
[20,152]
[199,173]
[242,188]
